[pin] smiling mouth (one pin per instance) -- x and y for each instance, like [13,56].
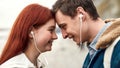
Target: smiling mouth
[71,37]
[50,42]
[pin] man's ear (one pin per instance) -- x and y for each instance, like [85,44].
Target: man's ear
[80,10]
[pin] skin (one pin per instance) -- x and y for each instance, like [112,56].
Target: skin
[44,36]
[70,27]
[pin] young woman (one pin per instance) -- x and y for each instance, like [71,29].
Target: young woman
[32,33]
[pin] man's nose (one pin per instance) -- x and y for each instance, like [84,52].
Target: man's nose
[64,34]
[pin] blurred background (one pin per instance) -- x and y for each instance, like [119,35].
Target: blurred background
[65,53]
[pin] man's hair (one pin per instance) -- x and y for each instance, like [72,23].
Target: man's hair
[68,7]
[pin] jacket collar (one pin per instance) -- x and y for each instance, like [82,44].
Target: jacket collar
[111,33]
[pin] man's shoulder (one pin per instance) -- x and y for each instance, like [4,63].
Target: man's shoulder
[117,47]
[115,59]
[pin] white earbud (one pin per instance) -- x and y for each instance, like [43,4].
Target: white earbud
[80,16]
[32,32]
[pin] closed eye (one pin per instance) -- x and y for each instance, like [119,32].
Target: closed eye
[51,29]
[62,26]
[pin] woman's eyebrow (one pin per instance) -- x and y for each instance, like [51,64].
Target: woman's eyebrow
[53,27]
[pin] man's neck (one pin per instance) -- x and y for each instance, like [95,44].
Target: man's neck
[94,28]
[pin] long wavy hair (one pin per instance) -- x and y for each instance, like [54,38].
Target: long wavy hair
[33,15]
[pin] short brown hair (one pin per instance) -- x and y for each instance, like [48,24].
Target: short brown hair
[68,7]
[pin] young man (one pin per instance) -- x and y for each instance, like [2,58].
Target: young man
[79,20]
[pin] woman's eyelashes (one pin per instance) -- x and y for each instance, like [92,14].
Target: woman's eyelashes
[51,29]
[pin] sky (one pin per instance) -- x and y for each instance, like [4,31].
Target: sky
[9,9]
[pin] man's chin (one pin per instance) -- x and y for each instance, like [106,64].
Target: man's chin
[78,43]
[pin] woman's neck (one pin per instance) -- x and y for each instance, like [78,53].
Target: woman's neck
[32,54]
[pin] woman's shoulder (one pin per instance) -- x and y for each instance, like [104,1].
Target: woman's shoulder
[18,61]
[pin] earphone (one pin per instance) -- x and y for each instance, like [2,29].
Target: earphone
[81,16]
[32,33]
[34,39]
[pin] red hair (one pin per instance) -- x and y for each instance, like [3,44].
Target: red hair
[32,15]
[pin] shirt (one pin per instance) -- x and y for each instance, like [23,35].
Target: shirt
[19,61]
[92,47]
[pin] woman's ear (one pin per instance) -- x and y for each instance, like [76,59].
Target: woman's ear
[30,34]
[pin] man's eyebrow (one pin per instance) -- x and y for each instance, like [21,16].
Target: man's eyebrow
[61,25]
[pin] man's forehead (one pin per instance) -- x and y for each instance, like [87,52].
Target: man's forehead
[60,18]
[59,15]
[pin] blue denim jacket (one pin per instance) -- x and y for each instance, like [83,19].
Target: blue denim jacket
[106,39]
[97,60]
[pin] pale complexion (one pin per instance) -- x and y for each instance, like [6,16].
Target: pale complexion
[44,36]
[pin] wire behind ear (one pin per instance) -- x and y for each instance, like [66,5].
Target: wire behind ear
[80,16]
